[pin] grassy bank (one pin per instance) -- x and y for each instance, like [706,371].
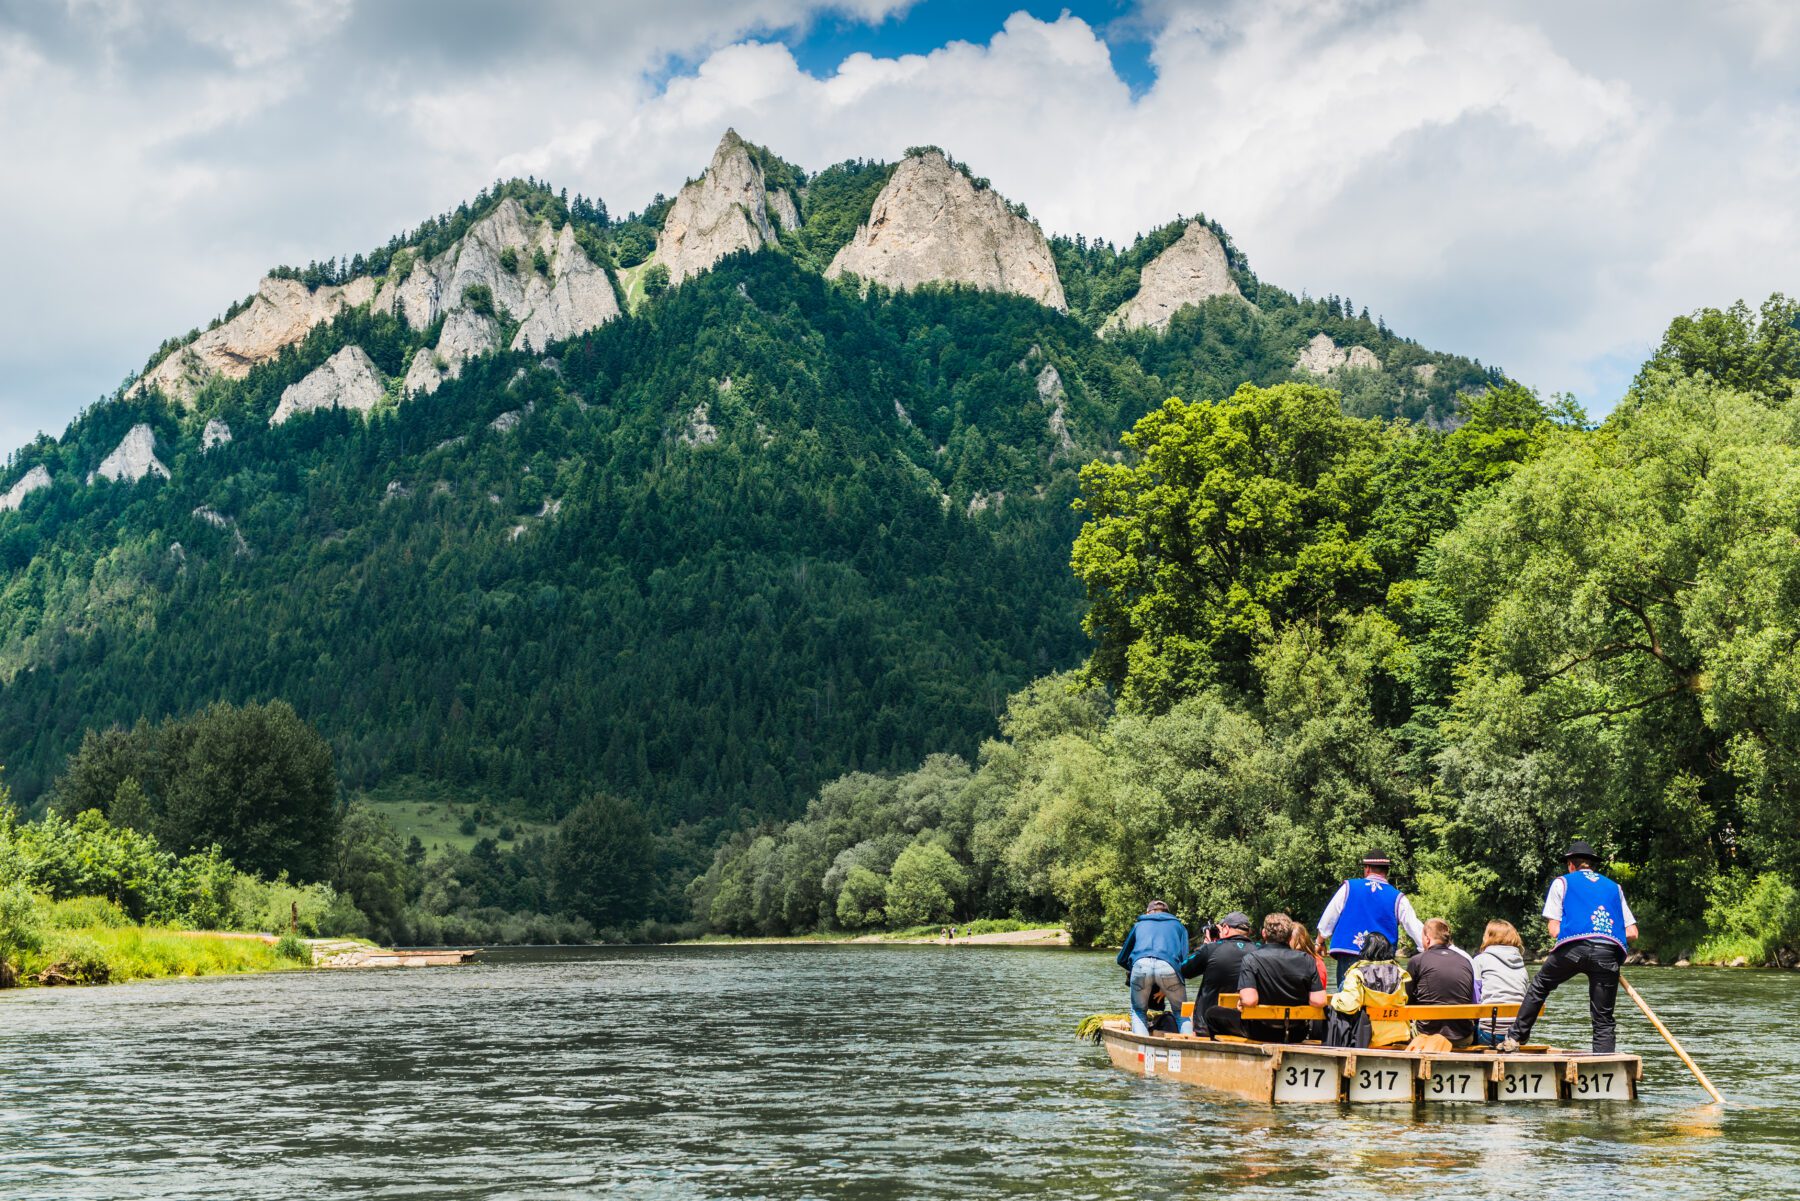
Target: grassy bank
[91,941]
[930,933]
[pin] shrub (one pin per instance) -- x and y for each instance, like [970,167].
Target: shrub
[540,262]
[78,913]
[860,903]
[76,959]
[1752,917]
[656,280]
[294,948]
[509,261]
[479,298]
[21,929]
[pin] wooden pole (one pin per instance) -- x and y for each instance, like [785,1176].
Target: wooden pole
[1670,1039]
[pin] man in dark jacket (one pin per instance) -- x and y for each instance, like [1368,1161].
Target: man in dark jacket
[1217,964]
[1271,974]
[1155,944]
[1442,975]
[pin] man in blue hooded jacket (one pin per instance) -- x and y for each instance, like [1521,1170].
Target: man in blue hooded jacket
[1156,944]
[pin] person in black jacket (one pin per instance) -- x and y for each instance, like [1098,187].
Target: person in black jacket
[1217,964]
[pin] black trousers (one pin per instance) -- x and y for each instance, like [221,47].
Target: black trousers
[1596,958]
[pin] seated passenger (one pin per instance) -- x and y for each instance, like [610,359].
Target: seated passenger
[1499,978]
[1442,975]
[1375,979]
[1272,974]
[1155,944]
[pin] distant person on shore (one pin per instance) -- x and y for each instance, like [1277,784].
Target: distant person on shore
[1361,906]
[1217,964]
[1500,977]
[1374,980]
[1592,924]
[1156,943]
[1442,975]
[1272,974]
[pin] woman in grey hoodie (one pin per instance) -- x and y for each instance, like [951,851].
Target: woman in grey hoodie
[1499,977]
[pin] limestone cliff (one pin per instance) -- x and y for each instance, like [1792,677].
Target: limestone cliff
[725,210]
[931,224]
[466,334]
[783,209]
[28,483]
[575,298]
[133,459]
[1322,356]
[280,314]
[216,433]
[1191,271]
[347,380]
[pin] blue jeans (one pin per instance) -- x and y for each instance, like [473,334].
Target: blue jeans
[1148,975]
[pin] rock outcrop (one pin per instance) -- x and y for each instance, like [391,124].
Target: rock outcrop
[1050,391]
[216,433]
[1191,271]
[700,431]
[1322,356]
[133,459]
[931,224]
[347,380]
[783,209]
[576,297]
[466,334]
[725,210]
[28,483]
[280,314]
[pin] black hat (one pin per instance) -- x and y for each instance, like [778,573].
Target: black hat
[1581,850]
[1237,919]
[1376,859]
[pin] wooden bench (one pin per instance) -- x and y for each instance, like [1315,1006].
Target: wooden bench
[1379,1013]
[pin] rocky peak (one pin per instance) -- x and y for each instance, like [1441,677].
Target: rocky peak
[347,380]
[931,224]
[279,315]
[133,459]
[725,210]
[575,298]
[1191,271]
[28,483]
[1322,356]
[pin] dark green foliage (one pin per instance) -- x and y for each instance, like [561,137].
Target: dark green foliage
[837,200]
[601,866]
[256,781]
[656,280]
[294,949]
[509,260]
[479,298]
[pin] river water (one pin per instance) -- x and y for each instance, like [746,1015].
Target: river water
[805,1071]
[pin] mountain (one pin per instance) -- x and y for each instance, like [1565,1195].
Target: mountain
[701,506]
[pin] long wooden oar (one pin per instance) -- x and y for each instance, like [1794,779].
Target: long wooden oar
[1670,1039]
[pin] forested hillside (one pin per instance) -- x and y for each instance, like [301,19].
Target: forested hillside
[761,530]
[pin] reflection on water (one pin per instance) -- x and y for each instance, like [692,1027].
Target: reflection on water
[811,1071]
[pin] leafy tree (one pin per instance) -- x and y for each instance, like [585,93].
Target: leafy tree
[861,902]
[1753,352]
[656,280]
[1238,517]
[600,867]
[924,886]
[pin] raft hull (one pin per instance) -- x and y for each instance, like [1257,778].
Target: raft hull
[1291,1074]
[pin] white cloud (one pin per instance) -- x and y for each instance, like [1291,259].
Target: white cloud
[1540,188]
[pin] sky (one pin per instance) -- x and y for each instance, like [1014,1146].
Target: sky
[1540,186]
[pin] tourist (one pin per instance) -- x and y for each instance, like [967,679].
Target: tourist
[1442,975]
[1373,980]
[1272,974]
[1592,924]
[1156,942]
[1499,977]
[1302,941]
[1217,964]
[1361,906]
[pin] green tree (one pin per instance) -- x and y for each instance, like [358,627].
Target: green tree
[600,868]
[1757,352]
[860,903]
[1238,517]
[925,885]
[656,280]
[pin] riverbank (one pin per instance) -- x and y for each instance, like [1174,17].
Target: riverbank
[1035,936]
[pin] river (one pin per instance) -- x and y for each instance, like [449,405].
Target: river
[804,1071]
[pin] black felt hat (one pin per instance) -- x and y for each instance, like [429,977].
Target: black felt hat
[1581,850]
